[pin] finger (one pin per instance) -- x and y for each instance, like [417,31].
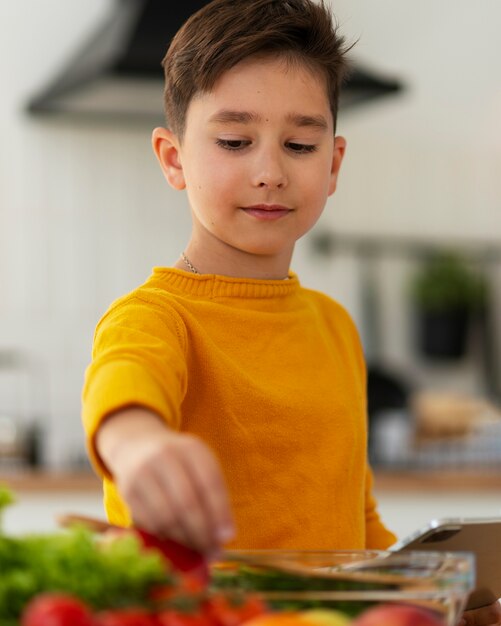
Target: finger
[163,501]
[484,616]
[152,498]
[210,486]
[191,524]
[150,507]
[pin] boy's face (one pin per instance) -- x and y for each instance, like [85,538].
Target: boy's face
[258,160]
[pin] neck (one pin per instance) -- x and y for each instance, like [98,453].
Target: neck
[236,265]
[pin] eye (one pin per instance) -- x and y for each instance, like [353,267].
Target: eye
[233,144]
[301,148]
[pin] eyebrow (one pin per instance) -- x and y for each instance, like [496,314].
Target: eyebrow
[316,121]
[227,116]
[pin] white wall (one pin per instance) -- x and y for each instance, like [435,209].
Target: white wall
[430,159]
[84,215]
[85,212]
[426,163]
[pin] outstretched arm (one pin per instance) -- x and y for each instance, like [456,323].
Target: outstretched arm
[171,482]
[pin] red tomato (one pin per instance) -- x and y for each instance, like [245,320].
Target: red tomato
[186,587]
[56,609]
[233,609]
[181,557]
[125,617]
[173,617]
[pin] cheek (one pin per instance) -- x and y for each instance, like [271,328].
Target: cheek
[211,187]
[212,175]
[198,181]
[220,179]
[325,182]
[317,186]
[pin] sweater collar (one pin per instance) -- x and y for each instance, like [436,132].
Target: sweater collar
[215,286]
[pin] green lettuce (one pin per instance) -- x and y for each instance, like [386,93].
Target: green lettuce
[104,575]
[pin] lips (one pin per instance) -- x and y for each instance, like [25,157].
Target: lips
[267,211]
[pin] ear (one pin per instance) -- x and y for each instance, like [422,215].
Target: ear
[166,147]
[337,159]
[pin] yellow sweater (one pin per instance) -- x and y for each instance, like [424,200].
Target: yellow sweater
[271,376]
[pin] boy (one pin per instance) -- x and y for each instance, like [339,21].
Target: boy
[227,348]
[225,402]
[206,349]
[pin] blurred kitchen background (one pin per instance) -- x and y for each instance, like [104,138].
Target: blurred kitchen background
[415,225]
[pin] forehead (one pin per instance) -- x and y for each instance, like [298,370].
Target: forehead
[273,86]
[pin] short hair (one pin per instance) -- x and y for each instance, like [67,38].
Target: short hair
[226,32]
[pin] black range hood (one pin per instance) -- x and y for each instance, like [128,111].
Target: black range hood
[117,73]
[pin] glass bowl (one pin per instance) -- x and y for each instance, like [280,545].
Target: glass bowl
[436,584]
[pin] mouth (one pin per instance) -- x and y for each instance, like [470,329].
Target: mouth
[267,211]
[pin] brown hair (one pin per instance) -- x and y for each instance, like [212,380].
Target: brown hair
[225,32]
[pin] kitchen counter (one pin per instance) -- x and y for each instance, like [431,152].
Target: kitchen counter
[50,481]
[406,499]
[385,481]
[436,481]
[41,497]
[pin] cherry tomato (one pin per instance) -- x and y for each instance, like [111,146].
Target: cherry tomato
[125,617]
[186,587]
[173,617]
[233,609]
[56,609]
[181,557]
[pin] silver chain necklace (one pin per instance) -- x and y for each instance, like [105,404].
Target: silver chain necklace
[190,265]
[194,270]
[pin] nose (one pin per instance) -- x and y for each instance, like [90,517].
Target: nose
[270,171]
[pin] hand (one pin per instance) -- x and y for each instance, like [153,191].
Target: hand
[489,615]
[171,482]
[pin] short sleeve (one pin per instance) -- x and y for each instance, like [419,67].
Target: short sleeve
[138,359]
